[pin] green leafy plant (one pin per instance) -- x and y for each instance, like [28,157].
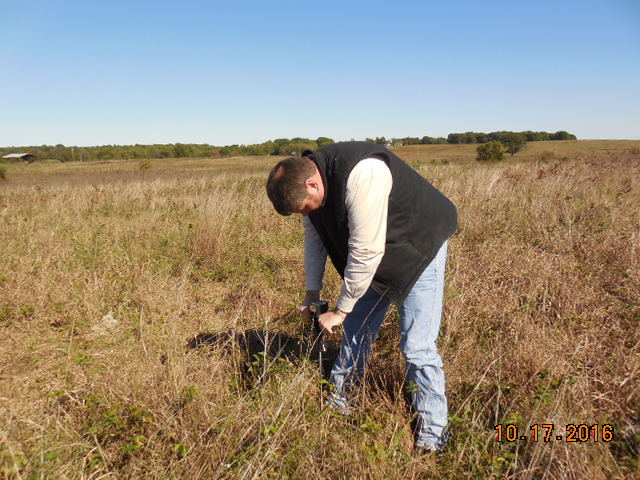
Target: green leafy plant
[490,151]
[180,450]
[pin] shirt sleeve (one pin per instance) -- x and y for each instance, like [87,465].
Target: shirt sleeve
[367,201]
[315,256]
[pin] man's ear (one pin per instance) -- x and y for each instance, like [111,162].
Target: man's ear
[310,182]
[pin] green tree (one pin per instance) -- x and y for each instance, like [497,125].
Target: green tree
[490,151]
[513,142]
[295,148]
[562,135]
[409,141]
[469,137]
[455,138]
[536,136]
[481,137]
[181,150]
[324,141]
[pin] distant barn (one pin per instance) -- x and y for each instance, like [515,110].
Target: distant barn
[29,157]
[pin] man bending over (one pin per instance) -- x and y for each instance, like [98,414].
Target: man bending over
[385,229]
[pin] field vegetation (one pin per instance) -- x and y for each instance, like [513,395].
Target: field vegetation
[137,297]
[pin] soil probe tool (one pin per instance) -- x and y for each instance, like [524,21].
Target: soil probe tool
[317,309]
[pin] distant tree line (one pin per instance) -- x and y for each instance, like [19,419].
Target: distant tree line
[396,142]
[505,136]
[476,137]
[108,152]
[280,146]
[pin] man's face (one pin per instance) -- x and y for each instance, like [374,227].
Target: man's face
[315,196]
[308,205]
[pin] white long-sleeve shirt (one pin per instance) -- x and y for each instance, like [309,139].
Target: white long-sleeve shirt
[366,200]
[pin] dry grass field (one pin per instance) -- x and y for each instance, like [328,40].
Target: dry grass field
[126,288]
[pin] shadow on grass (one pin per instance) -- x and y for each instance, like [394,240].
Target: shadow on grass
[257,346]
[259,350]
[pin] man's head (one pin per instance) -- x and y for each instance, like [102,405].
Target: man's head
[295,186]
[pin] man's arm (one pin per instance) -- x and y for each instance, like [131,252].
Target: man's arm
[315,260]
[367,201]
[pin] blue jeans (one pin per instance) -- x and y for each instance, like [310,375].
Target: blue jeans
[420,315]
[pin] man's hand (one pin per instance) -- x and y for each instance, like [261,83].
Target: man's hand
[331,319]
[312,296]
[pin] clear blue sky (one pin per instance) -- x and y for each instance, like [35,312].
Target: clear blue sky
[101,72]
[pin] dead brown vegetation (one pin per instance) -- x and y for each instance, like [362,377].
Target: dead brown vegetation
[108,271]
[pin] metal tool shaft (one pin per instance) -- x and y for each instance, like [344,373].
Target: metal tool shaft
[317,309]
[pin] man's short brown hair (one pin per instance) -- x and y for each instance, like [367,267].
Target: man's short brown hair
[286,184]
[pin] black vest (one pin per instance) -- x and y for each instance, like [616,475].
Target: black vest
[420,218]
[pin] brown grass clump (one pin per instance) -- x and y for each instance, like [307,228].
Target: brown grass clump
[136,302]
